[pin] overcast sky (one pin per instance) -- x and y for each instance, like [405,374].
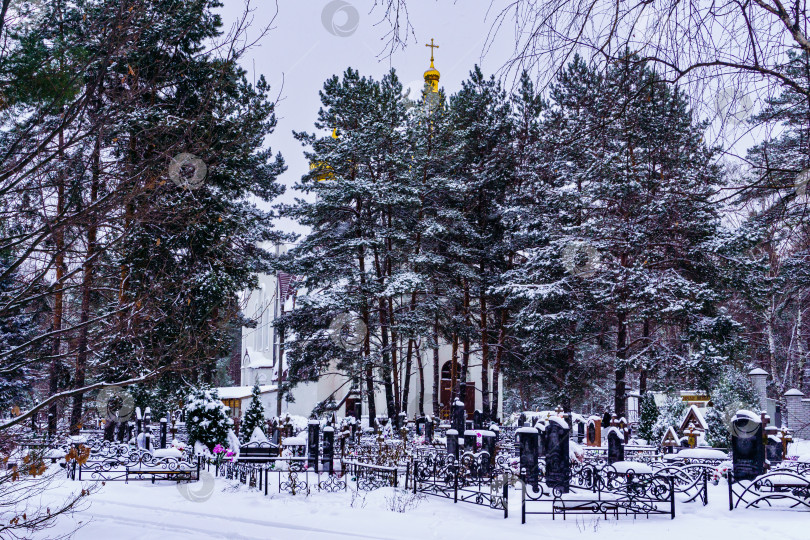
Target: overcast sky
[314,39]
[311,40]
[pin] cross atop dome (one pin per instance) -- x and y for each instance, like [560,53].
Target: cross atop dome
[432,74]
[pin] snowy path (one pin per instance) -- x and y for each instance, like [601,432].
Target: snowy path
[142,510]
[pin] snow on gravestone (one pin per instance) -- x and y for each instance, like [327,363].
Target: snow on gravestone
[615,445]
[558,462]
[747,446]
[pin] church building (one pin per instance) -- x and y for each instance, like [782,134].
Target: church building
[262,360]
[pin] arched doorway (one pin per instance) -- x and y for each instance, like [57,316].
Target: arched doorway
[445,391]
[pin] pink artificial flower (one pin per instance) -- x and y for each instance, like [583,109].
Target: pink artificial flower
[218,449]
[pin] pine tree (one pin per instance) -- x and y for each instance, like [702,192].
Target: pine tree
[207,418]
[253,417]
[648,418]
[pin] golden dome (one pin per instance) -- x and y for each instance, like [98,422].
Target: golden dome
[432,74]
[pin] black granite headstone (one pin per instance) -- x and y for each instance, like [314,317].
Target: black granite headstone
[478,419]
[747,448]
[452,442]
[581,432]
[521,420]
[591,434]
[458,419]
[110,429]
[615,446]
[470,441]
[558,463]
[358,410]
[328,449]
[313,432]
[429,430]
[773,451]
[528,440]
[606,420]
[777,421]
[164,430]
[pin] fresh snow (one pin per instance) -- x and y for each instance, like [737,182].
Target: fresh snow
[142,510]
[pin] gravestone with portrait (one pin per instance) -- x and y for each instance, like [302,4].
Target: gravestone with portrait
[747,446]
[452,443]
[558,463]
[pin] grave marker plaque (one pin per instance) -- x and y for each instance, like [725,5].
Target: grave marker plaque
[558,464]
[747,446]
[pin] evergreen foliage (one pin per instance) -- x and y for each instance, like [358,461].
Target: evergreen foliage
[253,417]
[207,418]
[648,416]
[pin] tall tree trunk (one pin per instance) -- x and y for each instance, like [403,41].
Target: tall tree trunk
[496,369]
[398,406]
[621,357]
[280,378]
[420,366]
[87,285]
[642,376]
[435,347]
[58,294]
[407,376]
[485,407]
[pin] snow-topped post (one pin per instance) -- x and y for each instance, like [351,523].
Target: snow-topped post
[164,431]
[759,379]
[528,442]
[747,446]
[147,417]
[615,445]
[794,411]
[558,462]
[313,432]
[328,449]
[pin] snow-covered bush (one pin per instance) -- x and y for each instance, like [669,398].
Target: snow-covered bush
[207,419]
[254,416]
[669,415]
[733,392]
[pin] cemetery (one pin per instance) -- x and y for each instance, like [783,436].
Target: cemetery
[397,269]
[540,468]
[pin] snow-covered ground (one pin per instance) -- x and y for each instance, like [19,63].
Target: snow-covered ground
[141,510]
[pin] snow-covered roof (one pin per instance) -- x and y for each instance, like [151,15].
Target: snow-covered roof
[758,371]
[239,392]
[694,413]
[794,392]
